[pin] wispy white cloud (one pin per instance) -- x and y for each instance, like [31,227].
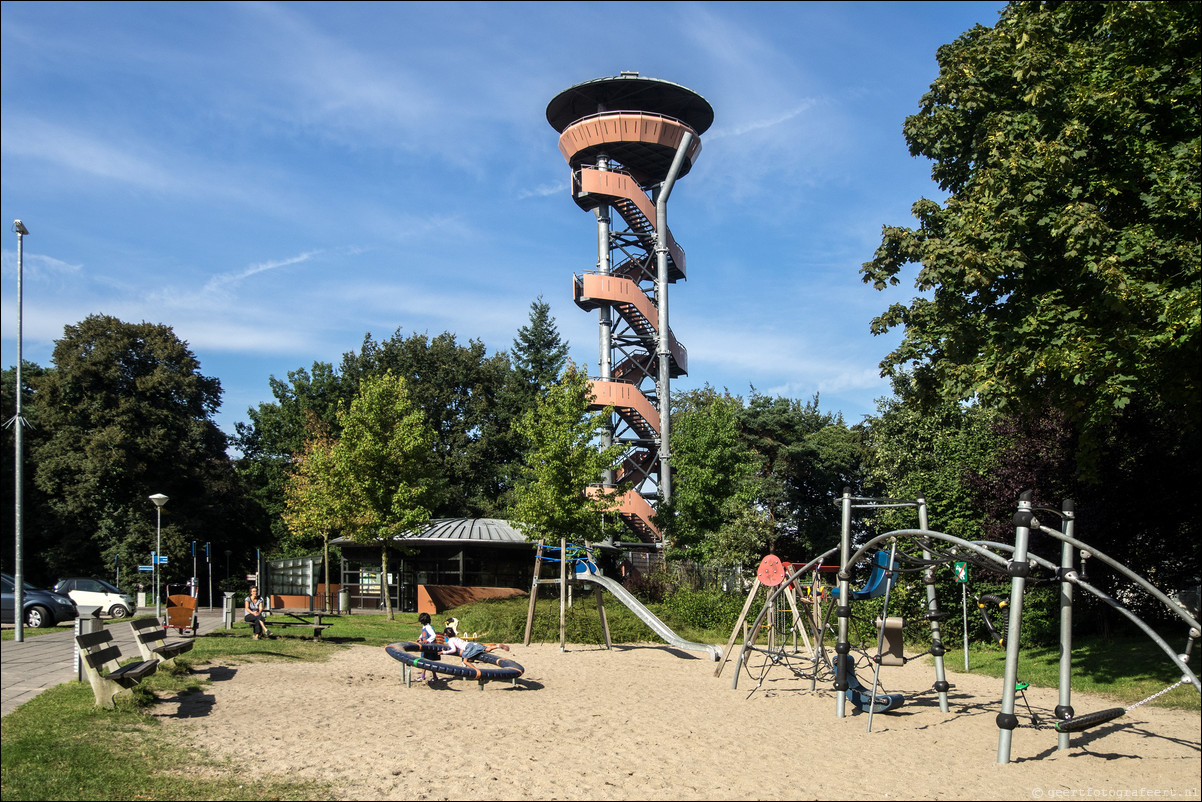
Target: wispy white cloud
[31,138]
[224,281]
[752,126]
[36,265]
[544,190]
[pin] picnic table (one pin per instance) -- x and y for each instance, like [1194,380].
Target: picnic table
[305,620]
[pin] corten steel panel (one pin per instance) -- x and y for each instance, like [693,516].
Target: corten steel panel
[626,399]
[637,465]
[610,184]
[644,143]
[635,308]
[630,505]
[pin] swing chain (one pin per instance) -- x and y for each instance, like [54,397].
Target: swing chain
[1181,681]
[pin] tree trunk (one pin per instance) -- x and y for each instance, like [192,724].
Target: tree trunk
[384,581]
[326,556]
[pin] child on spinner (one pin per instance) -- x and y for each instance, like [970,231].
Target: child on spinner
[467,651]
[426,637]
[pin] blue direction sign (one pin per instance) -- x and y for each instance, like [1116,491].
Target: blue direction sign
[162,559]
[146,568]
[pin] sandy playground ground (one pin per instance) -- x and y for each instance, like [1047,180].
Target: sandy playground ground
[651,722]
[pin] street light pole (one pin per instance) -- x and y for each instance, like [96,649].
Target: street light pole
[18,422]
[159,500]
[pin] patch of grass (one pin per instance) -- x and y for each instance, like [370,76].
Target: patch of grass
[505,620]
[10,632]
[1126,669]
[60,745]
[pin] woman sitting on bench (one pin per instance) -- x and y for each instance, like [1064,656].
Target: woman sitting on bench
[255,609]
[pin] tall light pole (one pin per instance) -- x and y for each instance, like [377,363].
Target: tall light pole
[18,422]
[159,500]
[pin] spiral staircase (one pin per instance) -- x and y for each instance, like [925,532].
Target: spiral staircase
[627,139]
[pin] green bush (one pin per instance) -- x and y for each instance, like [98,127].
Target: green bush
[707,608]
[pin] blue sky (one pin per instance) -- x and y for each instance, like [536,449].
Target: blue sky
[275,180]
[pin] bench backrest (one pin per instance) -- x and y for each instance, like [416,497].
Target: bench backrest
[99,650]
[147,630]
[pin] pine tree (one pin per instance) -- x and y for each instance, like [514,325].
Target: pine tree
[539,355]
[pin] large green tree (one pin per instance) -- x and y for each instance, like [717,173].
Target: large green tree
[312,496]
[562,461]
[539,354]
[127,413]
[459,390]
[756,476]
[276,434]
[714,480]
[377,479]
[937,453]
[1063,266]
[805,459]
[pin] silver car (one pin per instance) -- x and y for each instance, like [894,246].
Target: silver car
[97,593]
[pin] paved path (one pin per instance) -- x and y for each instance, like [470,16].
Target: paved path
[43,661]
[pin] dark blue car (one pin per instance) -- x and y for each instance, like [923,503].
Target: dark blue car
[43,608]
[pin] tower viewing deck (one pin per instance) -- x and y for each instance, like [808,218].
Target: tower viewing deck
[627,139]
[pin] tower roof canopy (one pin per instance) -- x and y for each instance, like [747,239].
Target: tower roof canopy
[630,92]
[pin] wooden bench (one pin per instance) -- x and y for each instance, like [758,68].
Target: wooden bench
[153,644]
[101,659]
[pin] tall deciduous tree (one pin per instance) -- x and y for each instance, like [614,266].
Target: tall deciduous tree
[312,497]
[764,471]
[457,388]
[1064,265]
[941,453]
[381,468]
[127,413]
[713,472]
[277,432]
[563,459]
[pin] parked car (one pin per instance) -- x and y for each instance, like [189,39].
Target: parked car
[43,608]
[98,593]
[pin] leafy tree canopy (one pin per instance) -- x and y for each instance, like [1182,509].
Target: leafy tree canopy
[279,431]
[562,460]
[374,482]
[127,413]
[756,476]
[1064,265]
[458,389]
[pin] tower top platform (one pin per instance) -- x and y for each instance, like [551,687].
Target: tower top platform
[630,92]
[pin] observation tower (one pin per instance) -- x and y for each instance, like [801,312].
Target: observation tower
[627,139]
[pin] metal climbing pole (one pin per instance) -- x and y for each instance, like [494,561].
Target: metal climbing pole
[1018,568]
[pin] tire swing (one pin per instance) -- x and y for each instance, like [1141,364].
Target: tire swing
[1086,720]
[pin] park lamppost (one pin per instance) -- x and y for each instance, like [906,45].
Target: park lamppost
[18,424]
[159,500]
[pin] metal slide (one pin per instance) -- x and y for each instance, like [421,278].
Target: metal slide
[647,617]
